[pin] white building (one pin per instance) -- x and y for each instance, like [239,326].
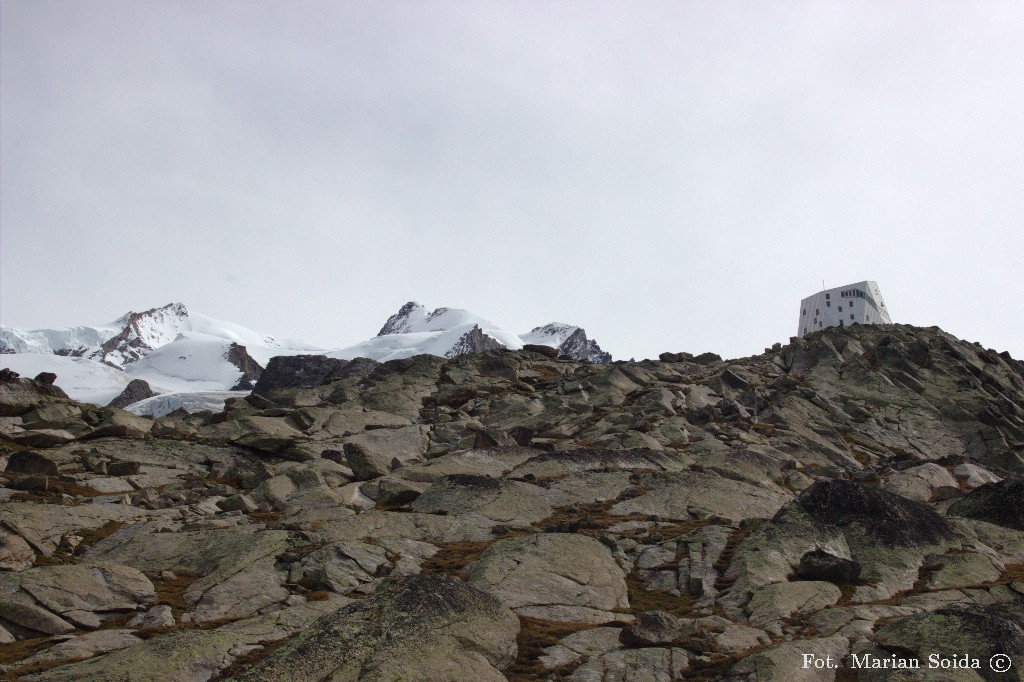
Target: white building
[859,303]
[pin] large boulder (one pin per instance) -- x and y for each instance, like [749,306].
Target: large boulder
[374,453]
[421,627]
[886,517]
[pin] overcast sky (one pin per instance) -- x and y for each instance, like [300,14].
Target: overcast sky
[670,176]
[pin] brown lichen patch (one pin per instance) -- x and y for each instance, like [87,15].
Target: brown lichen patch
[171,591]
[590,519]
[19,651]
[723,583]
[641,599]
[305,550]
[265,517]
[93,535]
[453,558]
[535,635]
[54,492]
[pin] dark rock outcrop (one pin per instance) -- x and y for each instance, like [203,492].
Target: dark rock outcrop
[136,390]
[999,503]
[473,341]
[579,347]
[974,631]
[887,517]
[28,462]
[251,370]
[293,371]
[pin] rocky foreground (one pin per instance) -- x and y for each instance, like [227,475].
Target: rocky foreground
[854,496]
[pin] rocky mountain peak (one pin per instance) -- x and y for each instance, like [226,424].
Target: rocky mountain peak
[473,341]
[569,340]
[142,332]
[400,322]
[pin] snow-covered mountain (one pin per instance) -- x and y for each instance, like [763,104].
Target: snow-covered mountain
[452,331]
[445,331]
[181,354]
[193,361]
[569,340]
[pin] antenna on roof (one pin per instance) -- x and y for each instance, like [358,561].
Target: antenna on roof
[823,285]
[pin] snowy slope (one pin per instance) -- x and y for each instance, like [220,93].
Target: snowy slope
[553,334]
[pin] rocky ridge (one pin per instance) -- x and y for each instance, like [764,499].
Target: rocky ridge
[513,515]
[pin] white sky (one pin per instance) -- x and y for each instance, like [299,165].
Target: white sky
[670,176]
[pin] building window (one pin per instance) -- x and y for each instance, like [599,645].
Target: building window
[851,317]
[840,308]
[827,296]
[840,323]
[804,312]
[828,304]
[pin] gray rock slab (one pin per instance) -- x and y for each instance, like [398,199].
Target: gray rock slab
[546,569]
[700,494]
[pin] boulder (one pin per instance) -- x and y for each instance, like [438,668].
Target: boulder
[920,483]
[374,453]
[501,501]
[888,518]
[654,664]
[783,662]
[421,627]
[653,628]
[774,603]
[120,424]
[685,494]
[820,565]
[28,462]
